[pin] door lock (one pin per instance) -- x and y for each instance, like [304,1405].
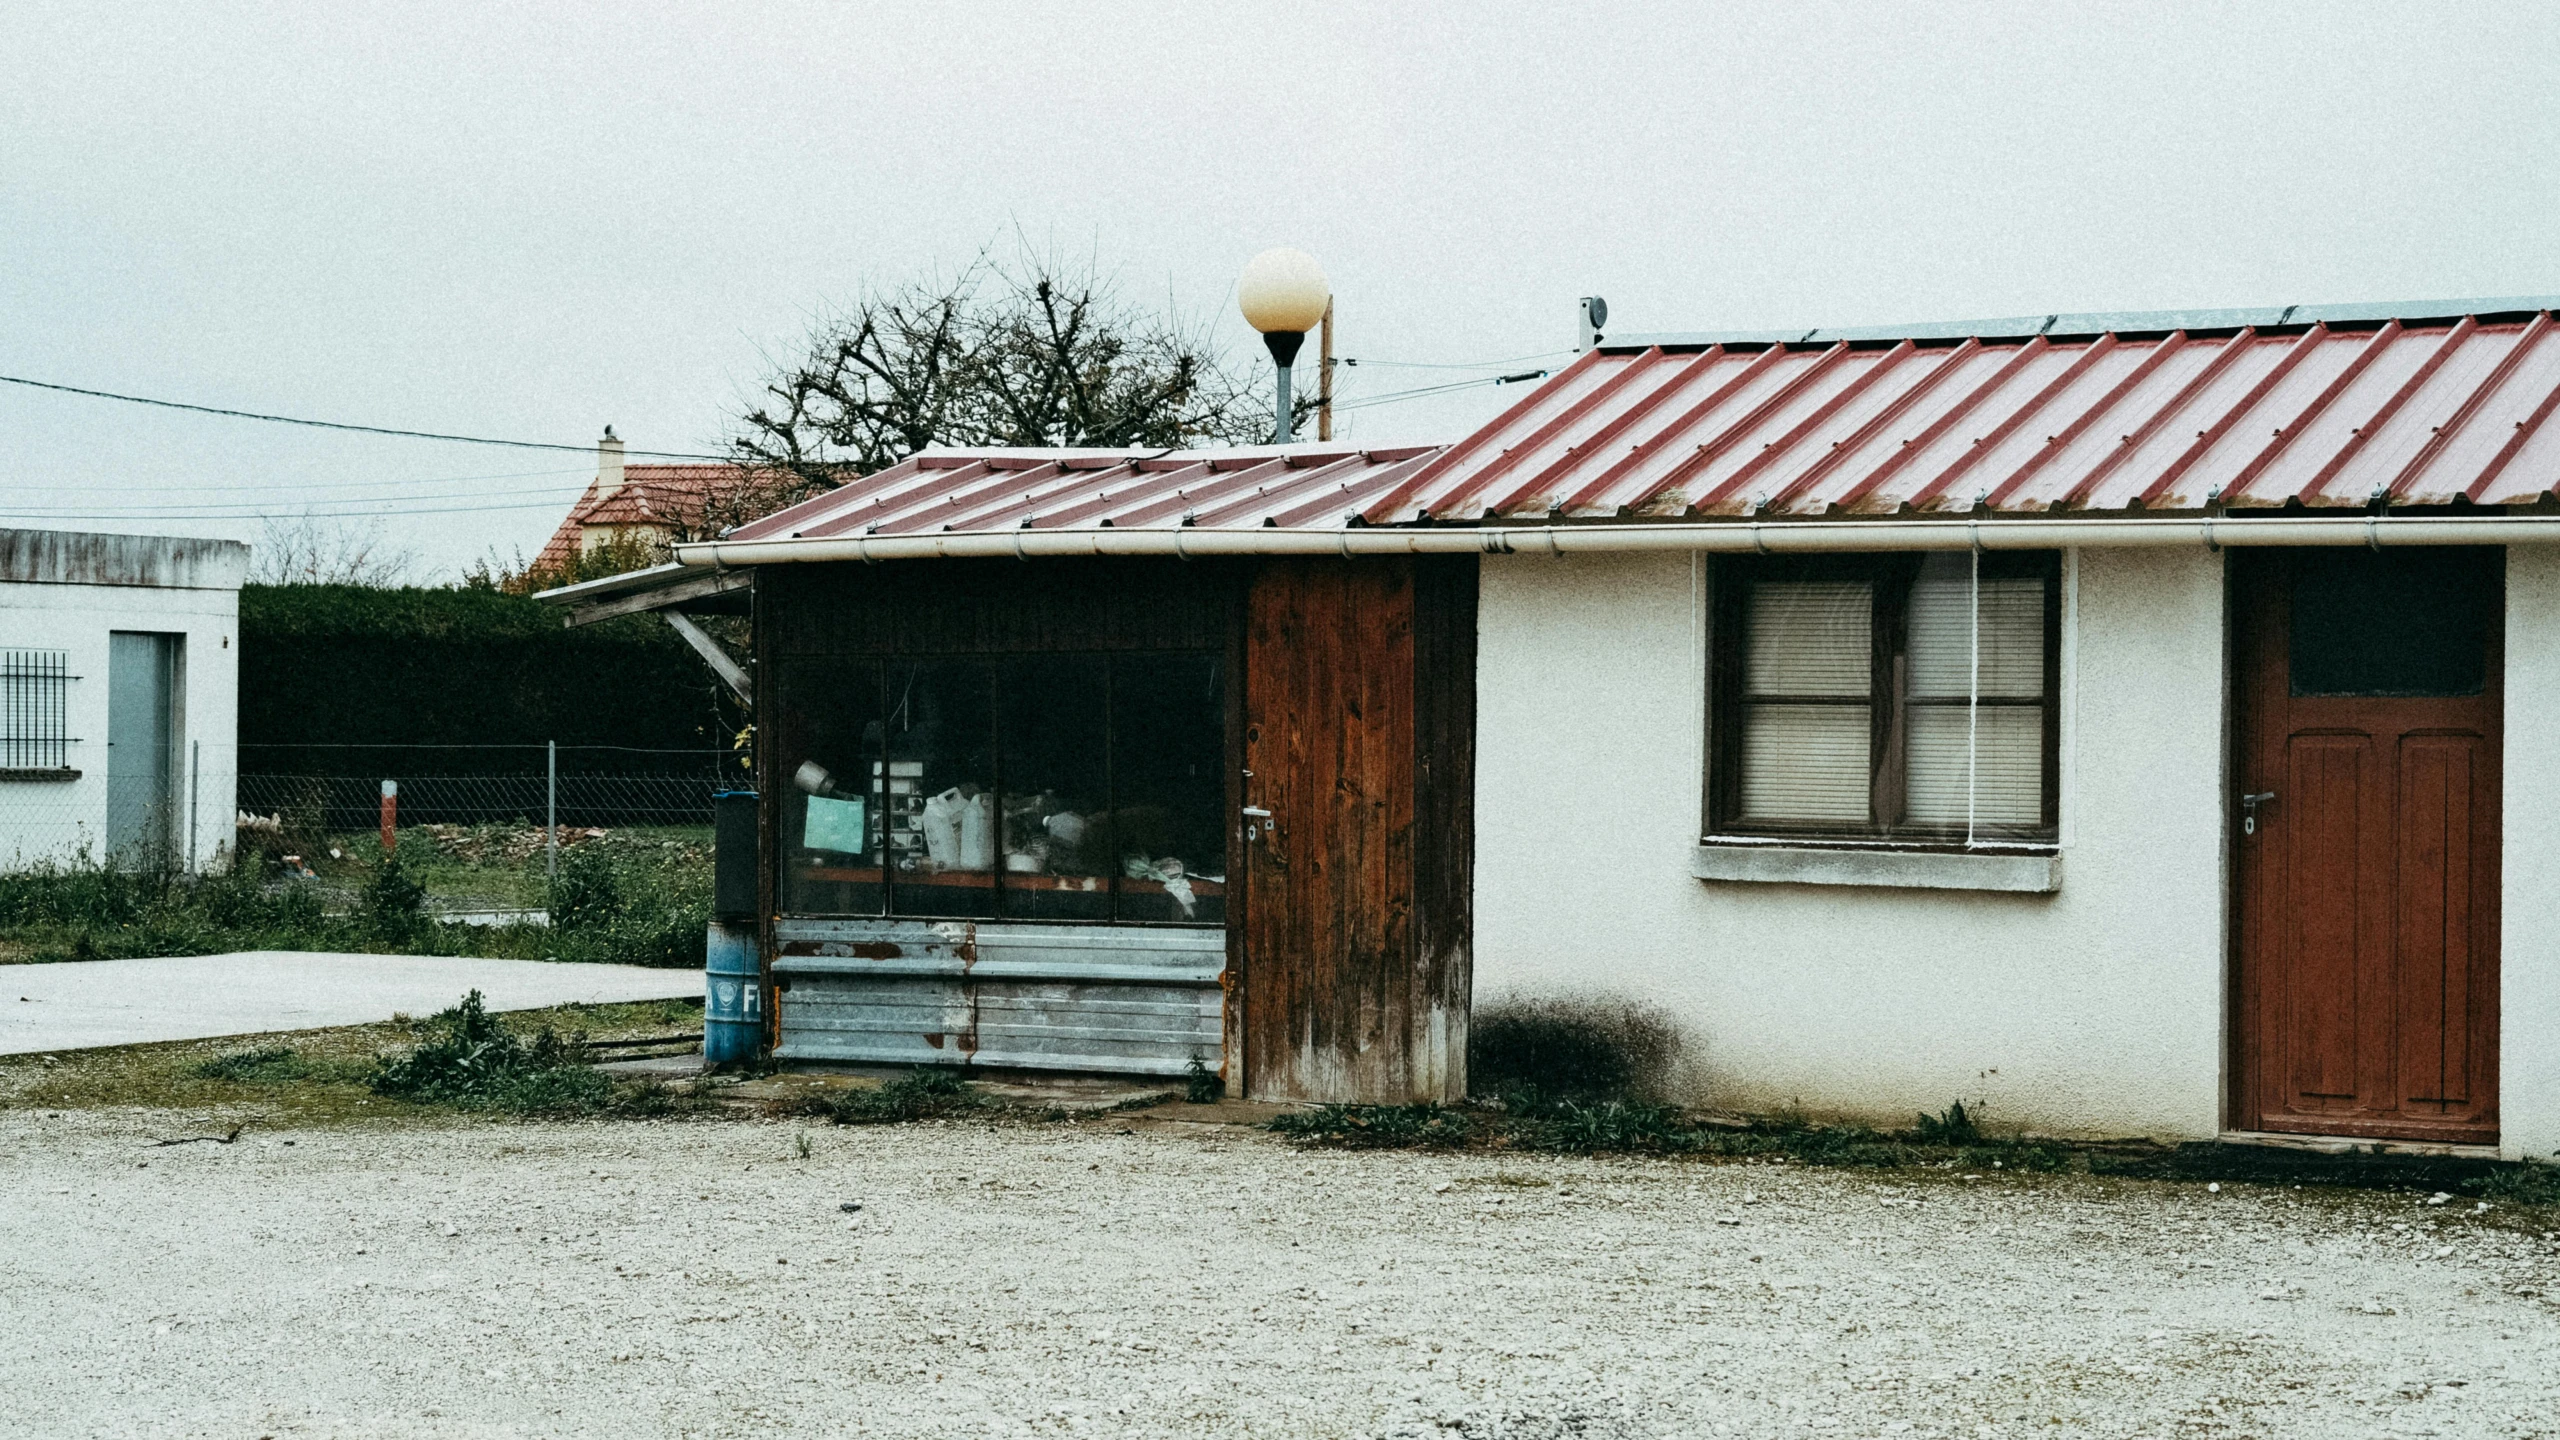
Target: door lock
[1267,825]
[2249,804]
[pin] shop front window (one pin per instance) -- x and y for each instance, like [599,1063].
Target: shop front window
[1054,714]
[1048,787]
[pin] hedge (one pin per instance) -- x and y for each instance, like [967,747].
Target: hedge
[339,665]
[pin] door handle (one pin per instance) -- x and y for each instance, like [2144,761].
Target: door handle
[1258,823]
[2249,804]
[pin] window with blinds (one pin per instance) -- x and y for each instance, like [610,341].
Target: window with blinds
[1896,697]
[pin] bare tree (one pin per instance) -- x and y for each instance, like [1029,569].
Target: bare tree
[1032,352]
[323,550]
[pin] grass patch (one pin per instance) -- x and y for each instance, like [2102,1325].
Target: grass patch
[916,1095]
[634,896]
[1631,1127]
[312,1078]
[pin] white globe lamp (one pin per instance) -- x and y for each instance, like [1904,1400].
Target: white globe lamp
[1283,294]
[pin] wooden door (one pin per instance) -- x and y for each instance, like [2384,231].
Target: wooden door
[2369,755]
[1357,780]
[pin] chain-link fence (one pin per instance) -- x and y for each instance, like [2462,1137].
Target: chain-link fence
[186,809]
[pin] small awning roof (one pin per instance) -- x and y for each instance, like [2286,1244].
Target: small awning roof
[682,589]
[995,491]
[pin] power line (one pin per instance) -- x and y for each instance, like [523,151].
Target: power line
[1459,365]
[551,504]
[339,425]
[172,508]
[200,487]
[1393,396]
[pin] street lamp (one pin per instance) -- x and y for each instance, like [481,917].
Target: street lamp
[1283,294]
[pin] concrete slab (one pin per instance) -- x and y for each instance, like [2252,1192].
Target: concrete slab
[85,1004]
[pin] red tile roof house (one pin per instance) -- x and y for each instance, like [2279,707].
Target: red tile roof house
[2100,717]
[655,505]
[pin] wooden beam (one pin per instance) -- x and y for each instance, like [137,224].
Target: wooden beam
[708,584]
[718,659]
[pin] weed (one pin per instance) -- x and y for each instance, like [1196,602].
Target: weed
[394,904]
[273,1065]
[800,1147]
[631,907]
[2531,1182]
[918,1095]
[1951,1126]
[472,1061]
[1202,1085]
[1379,1127]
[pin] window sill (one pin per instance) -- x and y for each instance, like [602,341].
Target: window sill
[63,773]
[2030,874]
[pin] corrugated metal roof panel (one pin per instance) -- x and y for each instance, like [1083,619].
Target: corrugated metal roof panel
[2421,412]
[976,491]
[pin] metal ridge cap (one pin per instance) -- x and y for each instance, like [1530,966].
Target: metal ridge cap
[2100,322]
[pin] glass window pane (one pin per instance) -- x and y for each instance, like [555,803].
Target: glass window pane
[1942,635]
[830,826]
[1169,777]
[2393,622]
[1810,637]
[2007,767]
[937,788]
[1804,763]
[1051,724]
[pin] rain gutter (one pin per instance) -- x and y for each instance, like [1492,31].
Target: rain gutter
[1763,537]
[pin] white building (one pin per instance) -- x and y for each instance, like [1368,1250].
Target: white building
[119,697]
[2103,720]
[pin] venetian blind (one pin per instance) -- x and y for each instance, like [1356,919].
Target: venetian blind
[1974,743]
[1807,678]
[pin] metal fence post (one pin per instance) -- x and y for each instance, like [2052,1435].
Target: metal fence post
[551,812]
[195,786]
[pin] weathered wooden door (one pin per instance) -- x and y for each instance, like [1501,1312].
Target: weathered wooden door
[1358,741]
[2367,819]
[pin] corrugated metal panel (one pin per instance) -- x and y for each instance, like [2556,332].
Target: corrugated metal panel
[2416,414]
[2237,410]
[939,491]
[1110,999]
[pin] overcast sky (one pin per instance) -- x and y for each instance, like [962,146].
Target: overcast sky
[530,221]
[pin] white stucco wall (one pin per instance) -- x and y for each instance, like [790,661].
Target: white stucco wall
[2097,1009]
[56,819]
[2529,905]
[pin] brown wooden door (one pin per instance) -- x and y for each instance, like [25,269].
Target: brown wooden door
[2367,982]
[1357,742]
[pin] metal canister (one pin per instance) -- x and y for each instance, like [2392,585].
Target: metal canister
[733,998]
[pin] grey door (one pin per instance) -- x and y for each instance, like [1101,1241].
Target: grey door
[142,740]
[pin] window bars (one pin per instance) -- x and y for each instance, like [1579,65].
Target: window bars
[35,688]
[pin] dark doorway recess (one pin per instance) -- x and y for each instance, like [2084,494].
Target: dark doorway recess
[2366,824]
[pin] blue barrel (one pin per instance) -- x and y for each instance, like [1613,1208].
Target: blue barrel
[733,999]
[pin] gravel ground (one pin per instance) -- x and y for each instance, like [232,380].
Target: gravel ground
[1105,1278]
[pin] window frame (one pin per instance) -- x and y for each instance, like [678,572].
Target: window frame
[1891,574]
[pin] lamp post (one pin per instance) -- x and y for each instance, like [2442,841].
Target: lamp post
[1283,294]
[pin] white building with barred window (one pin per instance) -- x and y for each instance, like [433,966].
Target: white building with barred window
[119,697]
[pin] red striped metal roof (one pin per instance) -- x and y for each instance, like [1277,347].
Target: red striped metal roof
[2347,413]
[1293,487]
[2418,413]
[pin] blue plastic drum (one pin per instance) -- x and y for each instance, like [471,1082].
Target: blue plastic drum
[733,999]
